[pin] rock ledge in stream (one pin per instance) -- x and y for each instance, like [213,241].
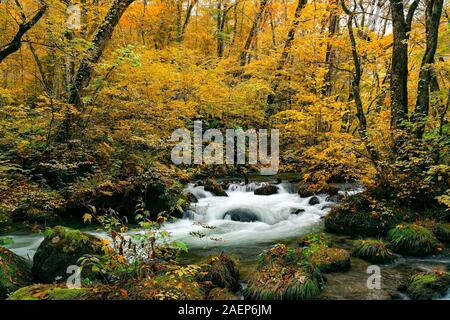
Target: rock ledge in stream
[427,286]
[51,292]
[61,248]
[241,215]
[215,188]
[266,190]
[15,272]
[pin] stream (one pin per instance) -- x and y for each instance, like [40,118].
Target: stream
[244,224]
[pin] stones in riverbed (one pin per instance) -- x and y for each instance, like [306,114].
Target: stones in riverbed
[313,201]
[15,272]
[61,248]
[266,190]
[304,191]
[241,215]
[297,211]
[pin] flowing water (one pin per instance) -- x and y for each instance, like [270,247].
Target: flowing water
[243,224]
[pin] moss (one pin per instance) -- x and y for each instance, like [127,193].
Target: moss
[427,286]
[311,238]
[50,292]
[442,232]
[362,215]
[220,271]
[15,272]
[412,239]
[283,274]
[221,294]
[375,251]
[327,259]
[63,247]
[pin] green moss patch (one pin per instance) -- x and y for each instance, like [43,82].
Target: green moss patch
[50,292]
[327,259]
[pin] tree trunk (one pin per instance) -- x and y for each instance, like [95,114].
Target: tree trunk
[284,57]
[433,11]
[243,57]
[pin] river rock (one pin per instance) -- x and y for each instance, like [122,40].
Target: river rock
[266,190]
[215,188]
[242,215]
[15,272]
[428,285]
[297,211]
[304,191]
[313,201]
[61,248]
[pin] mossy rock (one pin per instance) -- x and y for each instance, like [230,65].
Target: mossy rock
[283,275]
[156,287]
[215,188]
[442,232]
[15,272]
[412,239]
[221,294]
[61,248]
[427,286]
[220,271]
[304,191]
[314,238]
[327,259]
[375,251]
[266,190]
[361,215]
[51,292]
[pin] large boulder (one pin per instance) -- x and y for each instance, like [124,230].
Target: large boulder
[215,188]
[304,191]
[61,248]
[15,272]
[313,201]
[442,232]
[266,190]
[241,215]
[327,259]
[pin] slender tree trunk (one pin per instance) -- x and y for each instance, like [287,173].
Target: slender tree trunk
[433,11]
[243,57]
[270,109]
[24,27]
